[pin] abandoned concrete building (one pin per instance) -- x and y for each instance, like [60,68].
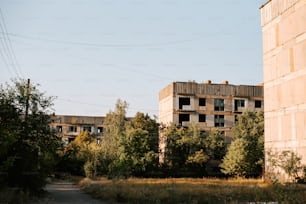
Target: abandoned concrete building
[284,56]
[68,127]
[208,104]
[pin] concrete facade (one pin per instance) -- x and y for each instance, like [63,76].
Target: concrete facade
[68,127]
[284,55]
[209,105]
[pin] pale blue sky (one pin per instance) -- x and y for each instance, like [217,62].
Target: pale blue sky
[89,53]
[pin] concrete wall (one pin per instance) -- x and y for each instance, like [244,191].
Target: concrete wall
[284,56]
[166,105]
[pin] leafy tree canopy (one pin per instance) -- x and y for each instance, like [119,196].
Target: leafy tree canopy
[27,144]
[245,154]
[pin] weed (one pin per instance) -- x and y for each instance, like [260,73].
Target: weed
[196,191]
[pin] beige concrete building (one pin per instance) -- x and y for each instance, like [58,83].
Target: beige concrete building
[284,55]
[210,105]
[68,127]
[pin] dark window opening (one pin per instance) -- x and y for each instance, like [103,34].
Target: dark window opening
[236,118]
[87,128]
[203,132]
[202,118]
[100,129]
[219,104]
[72,129]
[183,102]
[184,118]
[202,101]
[240,103]
[219,120]
[70,139]
[257,104]
[59,128]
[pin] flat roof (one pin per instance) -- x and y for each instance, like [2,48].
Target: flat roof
[264,4]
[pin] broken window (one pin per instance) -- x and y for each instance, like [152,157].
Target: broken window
[239,103]
[202,118]
[184,118]
[219,104]
[72,128]
[202,101]
[219,120]
[183,101]
[257,104]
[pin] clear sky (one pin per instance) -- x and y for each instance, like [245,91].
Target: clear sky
[89,53]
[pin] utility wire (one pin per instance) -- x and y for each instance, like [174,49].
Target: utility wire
[98,105]
[8,44]
[100,44]
[6,64]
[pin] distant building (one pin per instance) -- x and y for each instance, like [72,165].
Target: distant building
[68,127]
[284,55]
[210,105]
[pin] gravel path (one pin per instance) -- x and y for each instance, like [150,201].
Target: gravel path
[68,193]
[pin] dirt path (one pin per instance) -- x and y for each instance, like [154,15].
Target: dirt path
[68,193]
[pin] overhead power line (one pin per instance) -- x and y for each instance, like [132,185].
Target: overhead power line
[7,51]
[88,44]
[100,105]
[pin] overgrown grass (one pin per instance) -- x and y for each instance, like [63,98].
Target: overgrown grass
[13,195]
[185,190]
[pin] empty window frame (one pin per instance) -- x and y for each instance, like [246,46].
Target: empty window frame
[236,118]
[202,101]
[100,129]
[73,128]
[239,103]
[59,129]
[202,118]
[184,101]
[219,104]
[184,118]
[258,104]
[219,120]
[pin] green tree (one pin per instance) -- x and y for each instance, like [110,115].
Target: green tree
[245,154]
[141,143]
[145,122]
[113,137]
[136,144]
[215,144]
[137,151]
[28,153]
[192,150]
[175,152]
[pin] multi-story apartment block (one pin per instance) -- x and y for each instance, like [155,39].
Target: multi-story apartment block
[284,55]
[68,127]
[210,105]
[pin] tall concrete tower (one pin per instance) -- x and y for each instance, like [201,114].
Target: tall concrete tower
[284,56]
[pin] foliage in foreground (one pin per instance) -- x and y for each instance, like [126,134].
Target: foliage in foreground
[193,191]
[27,145]
[245,155]
[127,147]
[285,165]
[192,152]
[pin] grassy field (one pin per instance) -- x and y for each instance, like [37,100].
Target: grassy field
[185,190]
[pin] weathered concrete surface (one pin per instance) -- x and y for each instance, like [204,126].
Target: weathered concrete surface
[66,192]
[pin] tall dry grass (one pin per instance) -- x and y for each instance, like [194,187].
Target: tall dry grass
[187,190]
